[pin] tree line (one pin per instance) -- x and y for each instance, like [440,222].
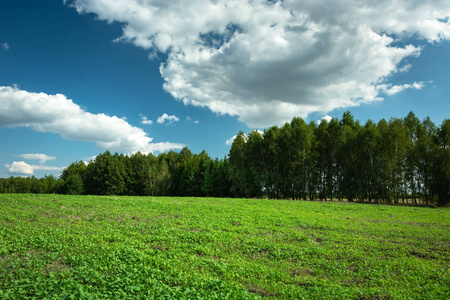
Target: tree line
[168,174]
[396,161]
[393,161]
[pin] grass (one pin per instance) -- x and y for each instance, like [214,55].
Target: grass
[86,247]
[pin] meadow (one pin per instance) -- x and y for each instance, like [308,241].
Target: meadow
[107,247]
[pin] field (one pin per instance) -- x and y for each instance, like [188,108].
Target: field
[86,247]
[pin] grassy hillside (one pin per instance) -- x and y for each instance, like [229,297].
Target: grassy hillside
[137,248]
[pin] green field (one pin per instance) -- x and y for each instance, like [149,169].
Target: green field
[86,247]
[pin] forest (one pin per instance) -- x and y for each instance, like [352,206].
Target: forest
[396,161]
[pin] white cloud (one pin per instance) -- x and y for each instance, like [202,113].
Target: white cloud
[394,89]
[196,122]
[145,121]
[55,113]
[327,118]
[230,141]
[163,147]
[5,46]
[36,156]
[267,61]
[405,68]
[165,117]
[22,168]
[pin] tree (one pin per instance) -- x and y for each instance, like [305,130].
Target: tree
[368,141]
[384,169]
[285,160]
[74,185]
[301,144]
[312,178]
[324,159]
[412,125]
[426,146]
[163,176]
[347,157]
[72,179]
[240,174]
[219,174]
[106,175]
[270,170]
[398,140]
[138,173]
[171,159]
[255,162]
[441,165]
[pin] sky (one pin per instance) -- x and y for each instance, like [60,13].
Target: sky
[79,77]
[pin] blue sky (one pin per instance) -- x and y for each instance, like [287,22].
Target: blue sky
[79,77]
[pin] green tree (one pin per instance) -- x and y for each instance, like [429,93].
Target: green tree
[301,144]
[138,173]
[285,160]
[72,179]
[412,124]
[270,167]
[106,175]
[324,158]
[398,137]
[255,161]
[441,165]
[426,145]
[240,174]
[348,157]
[368,146]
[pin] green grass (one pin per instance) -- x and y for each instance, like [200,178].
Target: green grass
[86,247]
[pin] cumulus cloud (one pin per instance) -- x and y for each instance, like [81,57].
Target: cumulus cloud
[55,113]
[145,121]
[394,89]
[230,141]
[36,156]
[163,147]
[165,117]
[22,168]
[267,61]
[327,118]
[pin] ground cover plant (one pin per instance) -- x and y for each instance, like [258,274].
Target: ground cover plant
[106,247]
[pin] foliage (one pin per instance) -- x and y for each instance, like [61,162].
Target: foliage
[46,185]
[403,160]
[109,247]
[175,174]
